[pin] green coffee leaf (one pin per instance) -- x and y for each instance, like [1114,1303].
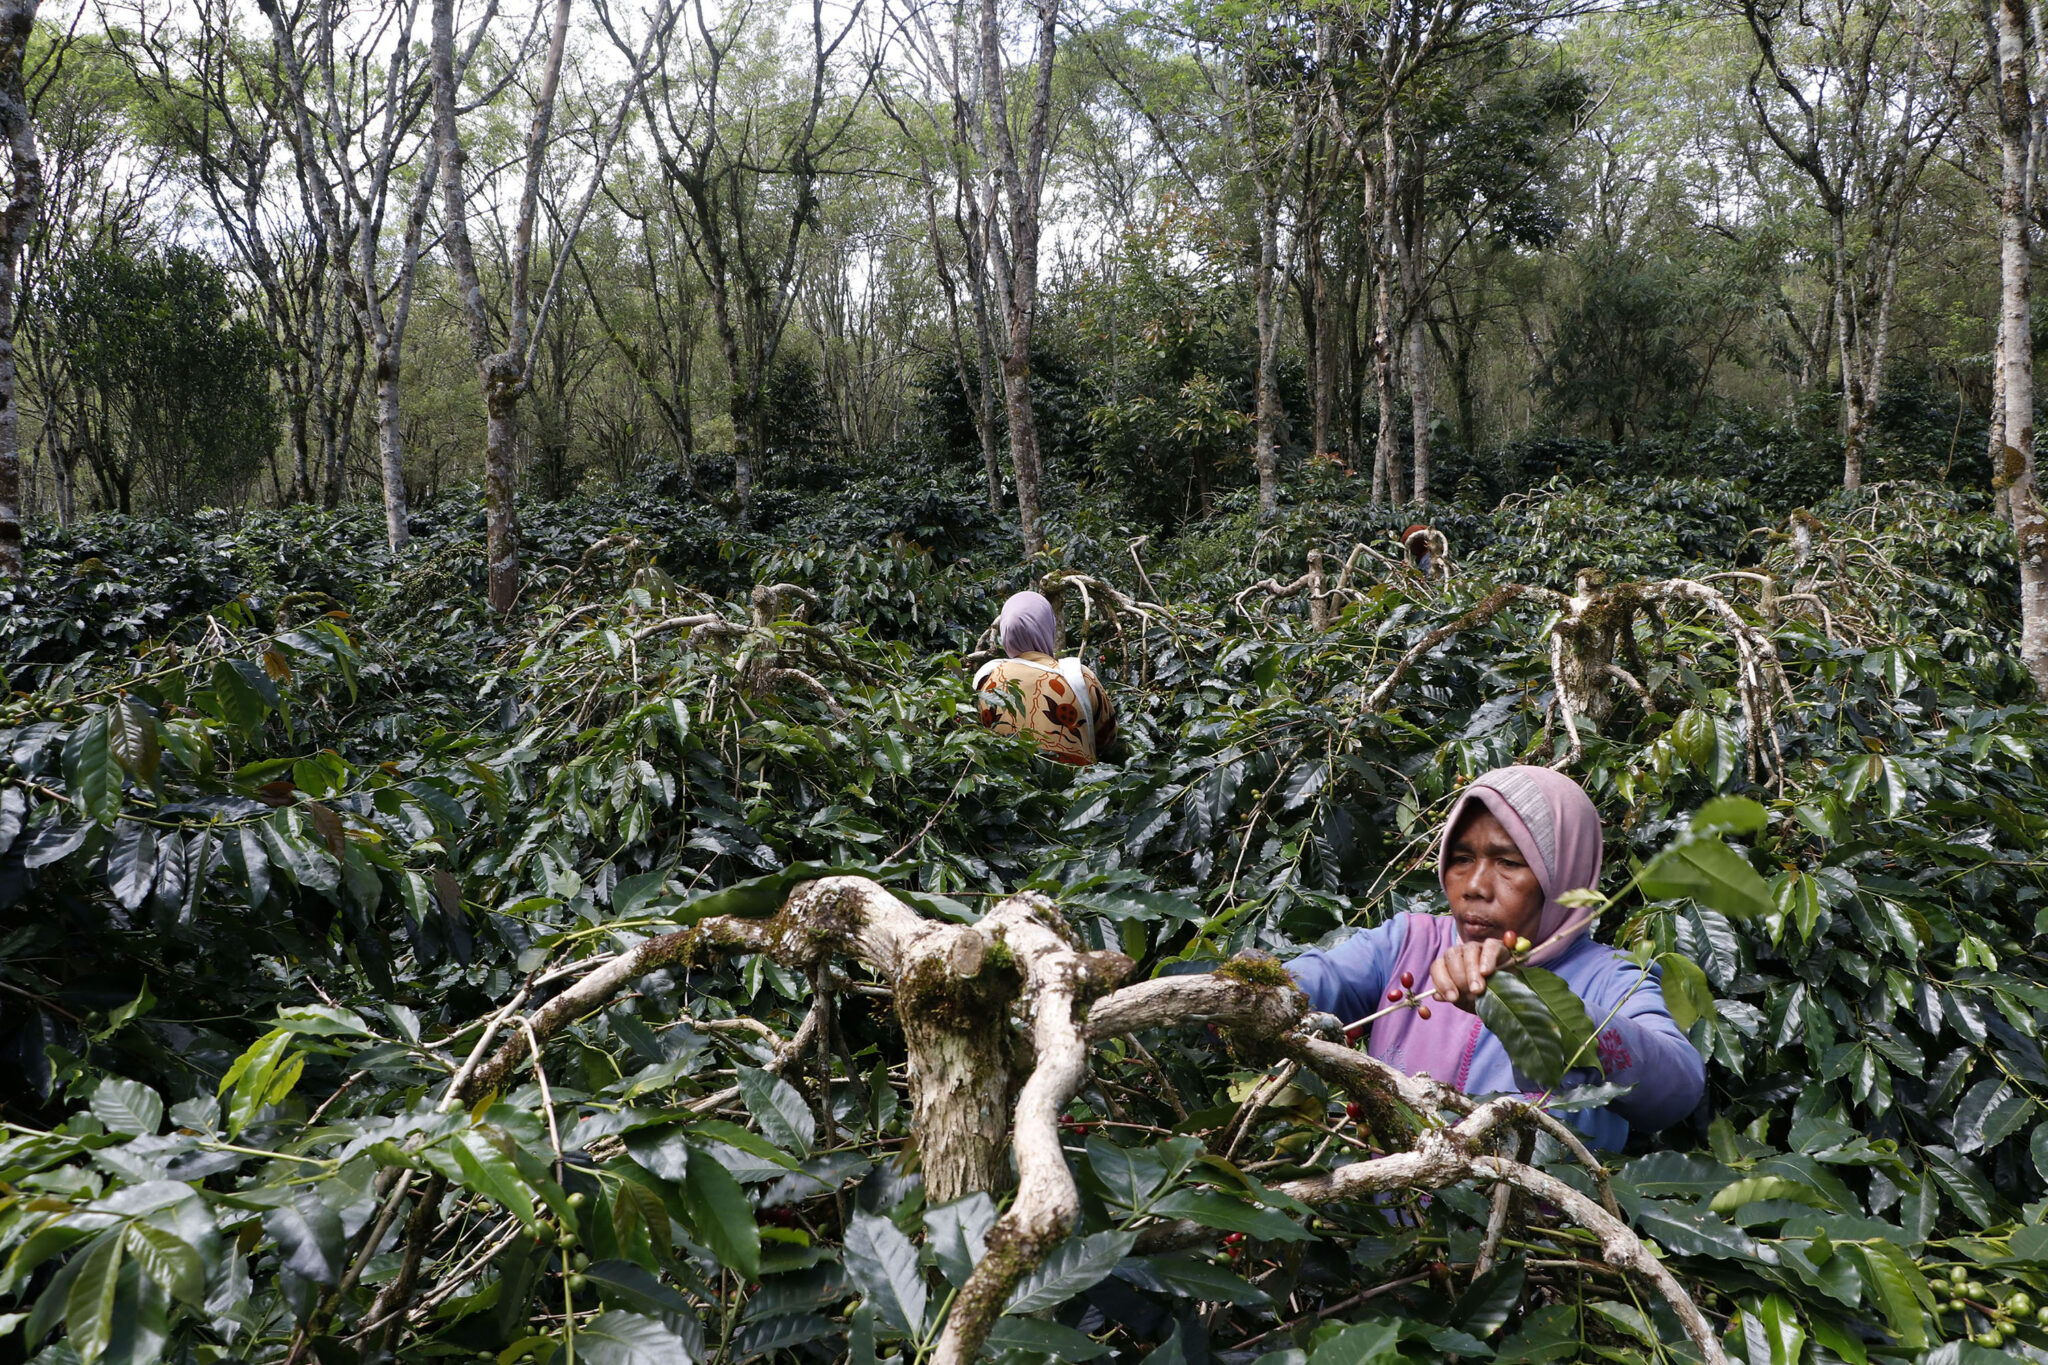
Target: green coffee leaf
[775,1104]
[881,1260]
[131,739]
[1074,1265]
[1729,815]
[957,1233]
[615,1337]
[1514,1013]
[1043,1338]
[632,1287]
[131,863]
[1710,872]
[169,1260]
[1756,1189]
[721,1216]
[309,1238]
[1574,1024]
[1213,1209]
[1686,992]
[1368,1343]
[89,1306]
[1893,1283]
[127,1107]
[1487,1305]
[90,770]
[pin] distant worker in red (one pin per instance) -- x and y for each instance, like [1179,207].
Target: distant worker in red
[1059,701]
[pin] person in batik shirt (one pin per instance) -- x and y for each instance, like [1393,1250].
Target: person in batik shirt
[1060,702]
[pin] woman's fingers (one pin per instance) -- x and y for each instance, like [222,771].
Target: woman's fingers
[1442,977]
[1460,974]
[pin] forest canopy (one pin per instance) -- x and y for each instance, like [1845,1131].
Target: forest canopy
[502,854]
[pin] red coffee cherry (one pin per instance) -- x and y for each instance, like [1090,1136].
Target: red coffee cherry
[1394,994]
[1422,1010]
[1408,980]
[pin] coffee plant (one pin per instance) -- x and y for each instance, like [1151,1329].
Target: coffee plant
[673,969]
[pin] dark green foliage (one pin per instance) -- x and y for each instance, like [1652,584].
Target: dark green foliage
[285,762]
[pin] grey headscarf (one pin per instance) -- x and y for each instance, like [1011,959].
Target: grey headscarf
[1027,625]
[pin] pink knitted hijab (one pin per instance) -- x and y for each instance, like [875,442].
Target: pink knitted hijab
[1553,822]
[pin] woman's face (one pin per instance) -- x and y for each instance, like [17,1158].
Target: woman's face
[1491,886]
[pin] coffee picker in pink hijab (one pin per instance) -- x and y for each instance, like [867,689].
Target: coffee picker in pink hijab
[1516,840]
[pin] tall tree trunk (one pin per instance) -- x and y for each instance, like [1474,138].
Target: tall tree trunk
[1024,456]
[990,436]
[2001,503]
[501,381]
[1022,180]
[391,450]
[1855,421]
[1418,397]
[503,374]
[1387,471]
[2030,523]
[302,464]
[1266,420]
[17,129]
[1319,332]
[64,461]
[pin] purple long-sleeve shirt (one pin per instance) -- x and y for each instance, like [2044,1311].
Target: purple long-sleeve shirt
[1639,1046]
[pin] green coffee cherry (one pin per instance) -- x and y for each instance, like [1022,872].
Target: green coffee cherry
[576,1283]
[1975,1289]
[566,1237]
[578,1200]
[2020,1304]
[1957,1274]
[580,1261]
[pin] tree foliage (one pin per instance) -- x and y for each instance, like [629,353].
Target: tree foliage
[174,384]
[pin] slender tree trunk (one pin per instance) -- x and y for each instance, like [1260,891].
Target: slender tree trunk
[17,129]
[302,464]
[333,431]
[2001,503]
[1024,456]
[991,436]
[1418,398]
[503,374]
[2030,523]
[1387,471]
[1854,420]
[1320,332]
[63,462]
[391,450]
[1022,181]
[1266,420]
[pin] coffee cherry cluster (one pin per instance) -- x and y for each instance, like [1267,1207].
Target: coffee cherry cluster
[1233,1246]
[2001,1319]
